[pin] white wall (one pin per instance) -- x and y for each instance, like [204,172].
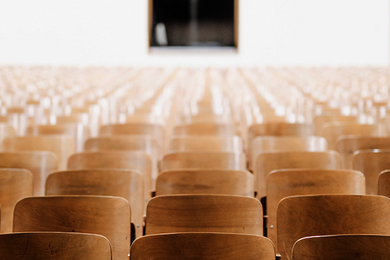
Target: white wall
[272,32]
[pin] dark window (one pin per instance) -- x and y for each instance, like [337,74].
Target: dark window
[193,23]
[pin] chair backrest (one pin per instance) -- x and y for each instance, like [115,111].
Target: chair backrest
[291,182]
[5,131]
[267,162]
[320,120]
[302,216]
[266,144]
[205,246]
[204,213]
[15,184]
[371,163]
[106,216]
[62,145]
[131,160]
[54,246]
[206,143]
[332,131]
[229,182]
[127,184]
[348,145]
[205,129]
[204,160]
[384,183]
[39,163]
[351,247]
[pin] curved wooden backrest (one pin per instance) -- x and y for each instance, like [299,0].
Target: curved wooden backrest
[54,246]
[347,145]
[266,144]
[332,131]
[228,182]
[291,182]
[132,160]
[204,129]
[39,163]
[302,216]
[204,213]
[351,247]
[205,160]
[106,216]
[267,162]
[371,163]
[127,184]
[15,184]
[384,183]
[320,120]
[206,143]
[62,145]
[5,131]
[205,246]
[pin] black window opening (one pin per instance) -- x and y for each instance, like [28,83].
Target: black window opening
[193,23]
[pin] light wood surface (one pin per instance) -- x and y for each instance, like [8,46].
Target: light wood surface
[207,246]
[280,129]
[205,129]
[371,163]
[54,246]
[39,163]
[206,143]
[302,216]
[131,160]
[106,216]
[340,247]
[267,162]
[384,183]
[127,184]
[15,184]
[62,145]
[205,160]
[229,182]
[290,182]
[204,213]
[5,131]
[320,120]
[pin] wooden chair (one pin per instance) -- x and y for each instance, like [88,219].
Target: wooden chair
[302,216]
[351,247]
[371,163]
[61,145]
[204,213]
[205,246]
[290,182]
[320,120]
[384,183]
[332,131]
[267,162]
[54,246]
[5,132]
[204,129]
[206,143]
[15,184]
[130,160]
[127,184]
[106,216]
[266,144]
[228,182]
[348,145]
[39,163]
[205,160]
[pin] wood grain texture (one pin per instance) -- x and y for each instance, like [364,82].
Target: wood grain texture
[207,246]
[228,182]
[54,246]
[131,160]
[302,216]
[206,143]
[371,163]
[204,160]
[106,216]
[127,184]
[267,162]
[204,213]
[291,182]
[15,184]
[341,247]
[39,163]
[384,183]
[348,145]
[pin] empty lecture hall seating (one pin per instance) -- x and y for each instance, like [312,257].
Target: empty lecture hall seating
[216,163]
